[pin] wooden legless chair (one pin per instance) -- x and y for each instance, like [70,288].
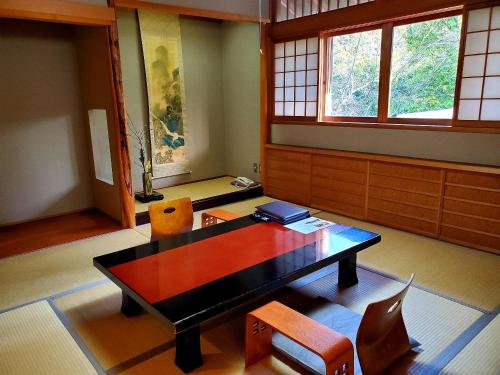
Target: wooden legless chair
[172,217]
[381,337]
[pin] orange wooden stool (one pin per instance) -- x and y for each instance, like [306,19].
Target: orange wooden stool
[211,217]
[335,349]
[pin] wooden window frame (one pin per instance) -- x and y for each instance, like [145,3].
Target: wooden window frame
[291,119]
[387,30]
[382,121]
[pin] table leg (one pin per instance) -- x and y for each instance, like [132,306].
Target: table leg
[188,350]
[129,306]
[347,272]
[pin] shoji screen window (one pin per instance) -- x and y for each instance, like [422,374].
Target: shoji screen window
[296,65]
[291,9]
[480,87]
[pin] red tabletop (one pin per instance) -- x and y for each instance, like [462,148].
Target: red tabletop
[172,272]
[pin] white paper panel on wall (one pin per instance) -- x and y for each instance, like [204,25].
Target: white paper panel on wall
[291,9]
[296,65]
[480,90]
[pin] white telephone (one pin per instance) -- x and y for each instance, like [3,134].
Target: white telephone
[243,182]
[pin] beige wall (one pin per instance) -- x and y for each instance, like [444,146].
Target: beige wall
[202,60]
[449,146]
[241,97]
[246,7]
[96,93]
[43,145]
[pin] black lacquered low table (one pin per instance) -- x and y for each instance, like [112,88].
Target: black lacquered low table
[190,278]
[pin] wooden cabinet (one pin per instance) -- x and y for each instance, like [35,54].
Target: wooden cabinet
[454,202]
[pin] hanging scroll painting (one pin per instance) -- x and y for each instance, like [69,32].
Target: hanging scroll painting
[161,45]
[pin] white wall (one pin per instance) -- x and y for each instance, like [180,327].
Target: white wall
[44,159]
[204,117]
[449,146]
[241,97]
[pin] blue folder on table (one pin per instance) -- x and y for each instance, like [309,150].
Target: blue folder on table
[283,213]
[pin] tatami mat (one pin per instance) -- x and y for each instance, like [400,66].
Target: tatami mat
[116,341]
[27,277]
[114,338]
[482,355]
[194,190]
[469,275]
[34,341]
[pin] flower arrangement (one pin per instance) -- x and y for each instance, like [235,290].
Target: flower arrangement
[139,135]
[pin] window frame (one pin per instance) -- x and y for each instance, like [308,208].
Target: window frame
[385,73]
[272,80]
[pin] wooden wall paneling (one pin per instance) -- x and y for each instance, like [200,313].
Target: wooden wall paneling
[57,11]
[288,176]
[121,133]
[492,170]
[441,201]
[400,210]
[339,185]
[471,209]
[455,202]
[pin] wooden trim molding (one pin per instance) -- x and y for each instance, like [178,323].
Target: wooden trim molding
[57,11]
[456,202]
[189,11]
[370,13]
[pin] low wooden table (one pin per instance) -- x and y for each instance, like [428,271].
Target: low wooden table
[190,278]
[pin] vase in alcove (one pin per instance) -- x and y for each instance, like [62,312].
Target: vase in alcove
[147,184]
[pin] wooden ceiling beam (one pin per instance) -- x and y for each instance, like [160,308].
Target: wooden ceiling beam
[60,11]
[188,11]
[364,14]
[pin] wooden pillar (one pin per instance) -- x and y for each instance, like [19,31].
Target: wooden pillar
[124,166]
[265,130]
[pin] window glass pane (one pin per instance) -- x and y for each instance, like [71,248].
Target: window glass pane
[469,110]
[300,78]
[473,66]
[301,47]
[300,93]
[424,68]
[300,63]
[493,66]
[353,79]
[279,80]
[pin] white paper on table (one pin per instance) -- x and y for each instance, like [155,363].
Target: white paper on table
[309,225]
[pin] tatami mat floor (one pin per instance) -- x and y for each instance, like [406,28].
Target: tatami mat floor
[80,324]
[195,190]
